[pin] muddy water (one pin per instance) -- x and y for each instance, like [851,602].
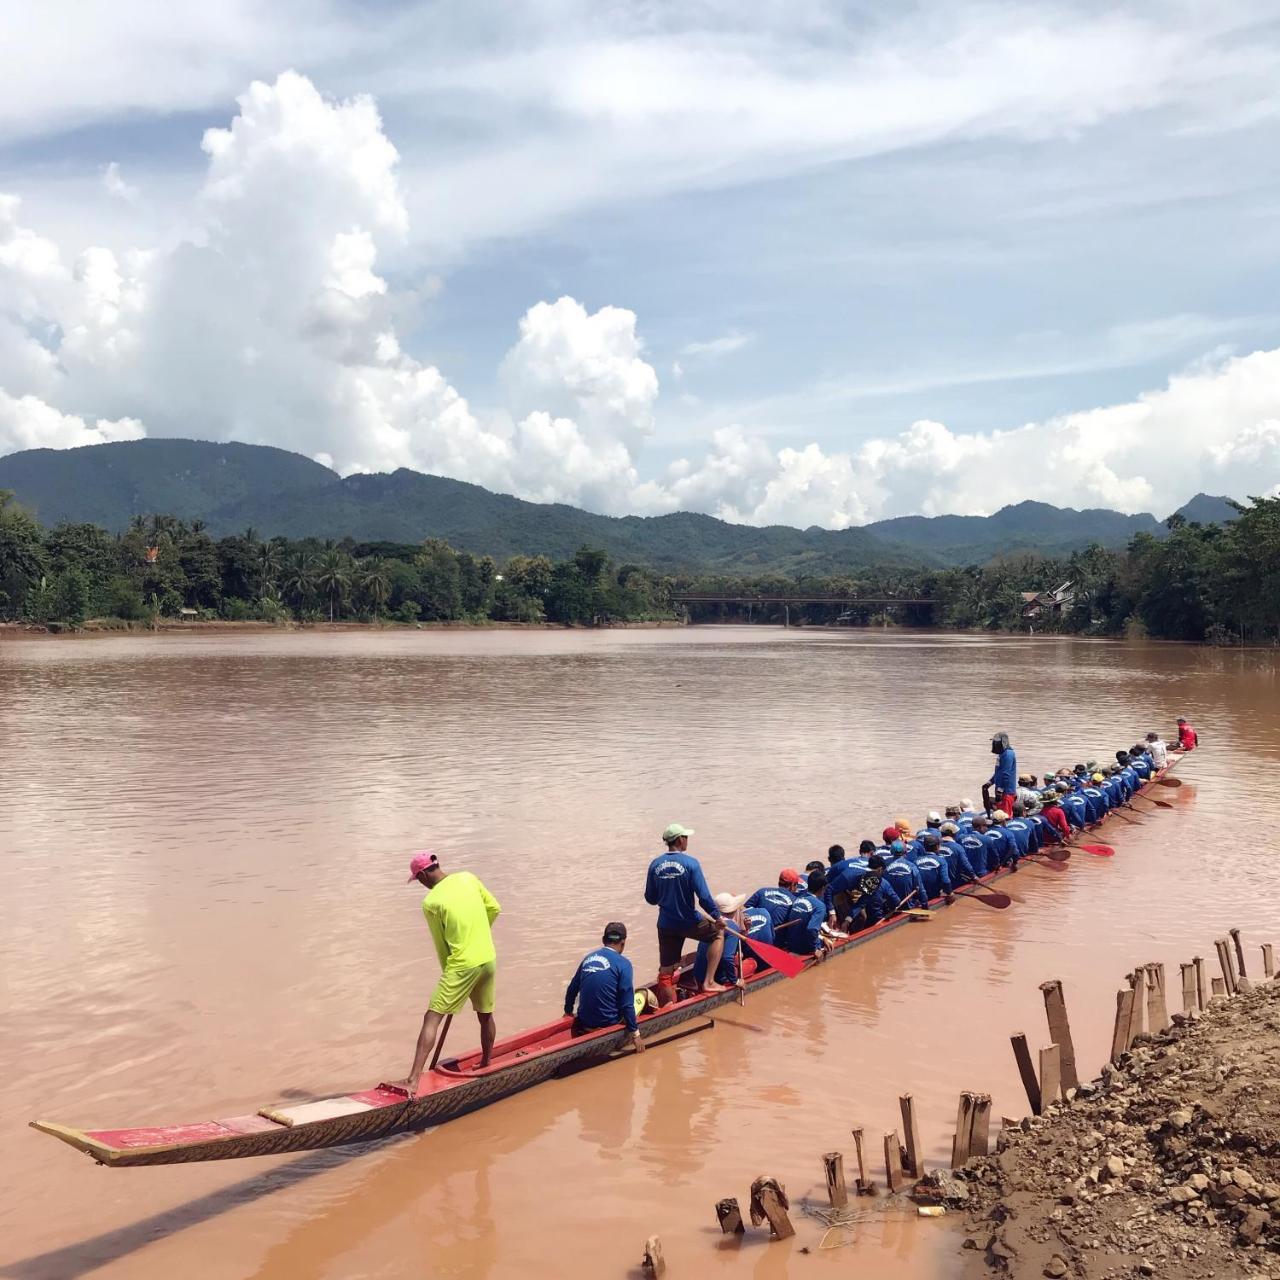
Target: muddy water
[202,848]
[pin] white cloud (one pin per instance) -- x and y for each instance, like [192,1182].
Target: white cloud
[114,183]
[29,423]
[713,348]
[274,320]
[1216,427]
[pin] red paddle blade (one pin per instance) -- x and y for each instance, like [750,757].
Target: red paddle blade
[1098,850]
[784,961]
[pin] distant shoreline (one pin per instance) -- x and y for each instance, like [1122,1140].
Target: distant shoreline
[169,627]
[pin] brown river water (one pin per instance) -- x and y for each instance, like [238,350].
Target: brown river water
[203,843]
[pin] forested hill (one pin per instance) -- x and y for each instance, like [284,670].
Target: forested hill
[231,487]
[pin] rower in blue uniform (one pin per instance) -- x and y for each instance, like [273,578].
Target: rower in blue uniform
[604,988]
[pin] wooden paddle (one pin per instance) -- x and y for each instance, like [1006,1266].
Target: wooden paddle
[1053,864]
[988,897]
[1161,804]
[1169,782]
[444,1031]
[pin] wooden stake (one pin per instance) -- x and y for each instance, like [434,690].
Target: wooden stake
[964,1131]
[1219,987]
[915,1156]
[1050,1075]
[1055,1009]
[1202,983]
[837,1192]
[864,1186]
[730,1216]
[1026,1069]
[1120,1035]
[1235,938]
[1157,1009]
[892,1162]
[1189,1002]
[1223,948]
[1268,961]
[769,1201]
[1137,1007]
[654,1263]
[980,1141]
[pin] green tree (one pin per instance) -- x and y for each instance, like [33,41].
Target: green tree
[333,578]
[21,554]
[374,582]
[440,590]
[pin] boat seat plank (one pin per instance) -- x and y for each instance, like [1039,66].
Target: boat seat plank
[250,1124]
[306,1112]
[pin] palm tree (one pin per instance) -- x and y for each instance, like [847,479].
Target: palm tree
[333,577]
[297,579]
[268,559]
[374,582]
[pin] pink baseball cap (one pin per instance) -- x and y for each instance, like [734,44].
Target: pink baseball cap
[421,861]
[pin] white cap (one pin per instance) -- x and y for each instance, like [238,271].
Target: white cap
[933,816]
[727,904]
[675,831]
[966,804]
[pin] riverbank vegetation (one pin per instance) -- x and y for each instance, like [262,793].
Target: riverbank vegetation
[1208,583]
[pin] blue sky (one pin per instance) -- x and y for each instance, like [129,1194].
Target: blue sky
[818,263]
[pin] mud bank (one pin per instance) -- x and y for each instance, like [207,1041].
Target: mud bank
[1167,1166]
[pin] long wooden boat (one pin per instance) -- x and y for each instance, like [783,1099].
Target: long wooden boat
[453,1088]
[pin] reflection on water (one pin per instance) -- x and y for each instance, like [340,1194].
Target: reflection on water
[203,902]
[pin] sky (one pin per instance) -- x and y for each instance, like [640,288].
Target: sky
[802,263]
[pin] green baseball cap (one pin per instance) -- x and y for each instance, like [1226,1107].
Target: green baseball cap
[674,831]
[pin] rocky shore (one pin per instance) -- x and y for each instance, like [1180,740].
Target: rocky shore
[1167,1166]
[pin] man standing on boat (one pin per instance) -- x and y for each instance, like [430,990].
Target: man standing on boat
[460,912]
[1004,781]
[605,989]
[676,886]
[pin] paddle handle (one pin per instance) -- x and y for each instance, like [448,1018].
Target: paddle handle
[444,1031]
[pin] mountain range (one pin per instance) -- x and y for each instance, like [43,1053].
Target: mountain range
[235,486]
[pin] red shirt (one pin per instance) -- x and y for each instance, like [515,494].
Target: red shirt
[1187,738]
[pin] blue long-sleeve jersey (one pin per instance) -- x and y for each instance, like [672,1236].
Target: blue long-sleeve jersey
[675,882]
[805,936]
[1024,835]
[959,868]
[933,871]
[982,857]
[777,902]
[1005,777]
[604,989]
[1076,807]
[904,876]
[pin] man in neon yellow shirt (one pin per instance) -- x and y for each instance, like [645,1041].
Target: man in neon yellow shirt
[459,912]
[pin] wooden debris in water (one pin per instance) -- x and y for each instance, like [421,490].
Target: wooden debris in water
[769,1203]
[833,1168]
[1055,1008]
[963,1140]
[730,1216]
[864,1186]
[1235,938]
[980,1140]
[1050,1075]
[654,1263]
[1268,961]
[892,1162]
[914,1161]
[1026,1069]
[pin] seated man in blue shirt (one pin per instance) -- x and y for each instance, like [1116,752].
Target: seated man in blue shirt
[933,870]
[604,988]
[777,902]
[757,923]
[728,973]
[842,879]
[807,916]
[907,882]
[956,856]
[676,886]
[873,898]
